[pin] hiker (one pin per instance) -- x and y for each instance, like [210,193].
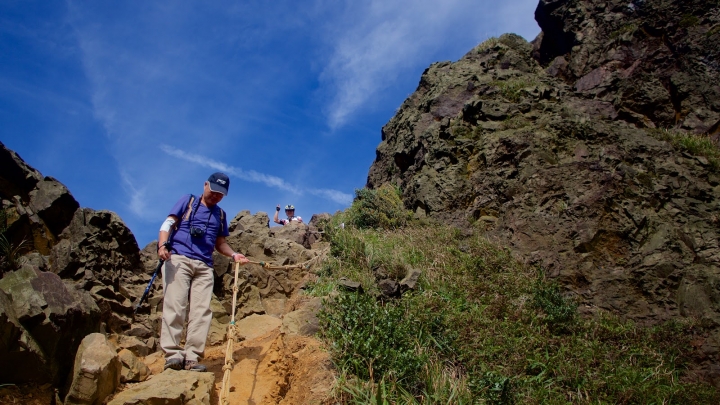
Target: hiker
[198,227]
[290,212]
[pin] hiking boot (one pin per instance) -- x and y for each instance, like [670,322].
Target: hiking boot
[194,366]
[175,364]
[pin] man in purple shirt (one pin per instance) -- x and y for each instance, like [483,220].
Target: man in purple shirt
[195,227]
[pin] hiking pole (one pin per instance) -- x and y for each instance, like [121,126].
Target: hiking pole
[147,289]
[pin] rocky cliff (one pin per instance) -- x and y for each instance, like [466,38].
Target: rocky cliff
[67,272]
[569,150]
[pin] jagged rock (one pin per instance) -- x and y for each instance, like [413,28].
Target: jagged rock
[218,310]
[54,317]
[217,333]
[258,224]
[294,231]
[249,303]
[303,321]
[16,177]
[169,387]
[349,285]
[140,331]
[132,343]
[133,370]
[96,372]
[36,209]
[389,287]
[410,280]
[97,241]
[100,253]
[652,58]
[10,332]
[53,203]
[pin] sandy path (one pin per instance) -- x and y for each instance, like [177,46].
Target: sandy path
[270,367]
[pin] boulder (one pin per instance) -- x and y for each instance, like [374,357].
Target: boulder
[258,224]
[53,317]
[257,325]
[132,343]
[96,372]
[169,387]
[349,285]
[217,333]
[410,280]
[53,203]
[303,321]
[133,369]
[389,287]
[294,231]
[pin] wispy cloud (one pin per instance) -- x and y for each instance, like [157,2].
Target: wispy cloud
[255,177]
[380,40]
[137,195]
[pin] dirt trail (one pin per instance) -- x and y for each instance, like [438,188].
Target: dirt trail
[271,367]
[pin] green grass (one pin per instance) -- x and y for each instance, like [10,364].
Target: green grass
[487,44]
[510,89]
[484,328]
[698,145]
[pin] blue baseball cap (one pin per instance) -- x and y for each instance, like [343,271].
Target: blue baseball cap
[219,182]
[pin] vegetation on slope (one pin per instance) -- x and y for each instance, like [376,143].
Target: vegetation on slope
[482,327]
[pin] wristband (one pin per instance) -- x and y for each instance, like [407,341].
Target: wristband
[165,244]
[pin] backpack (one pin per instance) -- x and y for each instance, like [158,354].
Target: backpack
[189,209]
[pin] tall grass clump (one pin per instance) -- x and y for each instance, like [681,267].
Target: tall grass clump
[698,145]
[374,339]
[511,89]
[378,208]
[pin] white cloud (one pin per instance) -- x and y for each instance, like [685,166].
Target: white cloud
[381,40]
[334,195]
[253,176]
[138,199]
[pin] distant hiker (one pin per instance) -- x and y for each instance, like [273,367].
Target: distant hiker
[199,226]
[290,212]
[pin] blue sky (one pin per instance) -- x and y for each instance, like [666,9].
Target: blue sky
[132,104]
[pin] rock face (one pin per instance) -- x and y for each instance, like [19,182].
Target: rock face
[100,254]
[35,208]
[560,160]
[43,322]
[655,61]
[72,274]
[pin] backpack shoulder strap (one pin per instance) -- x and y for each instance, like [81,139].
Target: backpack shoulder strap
[222,220]
[189,208]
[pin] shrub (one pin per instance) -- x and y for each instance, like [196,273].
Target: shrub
[373,340]
[559,311]
[380,208]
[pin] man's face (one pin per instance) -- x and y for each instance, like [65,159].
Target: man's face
[211,197]
[290,213]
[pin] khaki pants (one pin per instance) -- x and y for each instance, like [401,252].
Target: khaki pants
[180,277]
